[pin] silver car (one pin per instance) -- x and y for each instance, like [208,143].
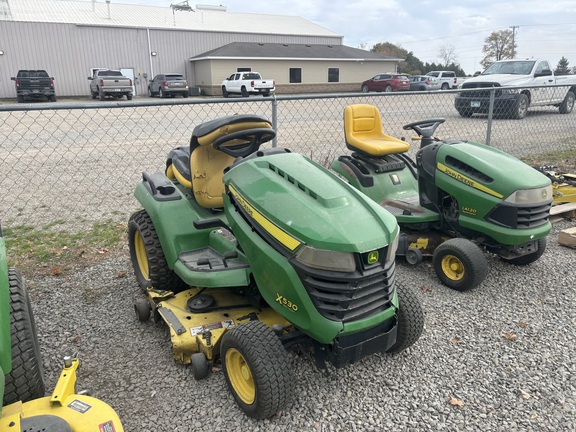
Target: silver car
[424,83]
[164,85]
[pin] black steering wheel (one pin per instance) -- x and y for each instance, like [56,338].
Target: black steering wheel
[425,128]
[250,140]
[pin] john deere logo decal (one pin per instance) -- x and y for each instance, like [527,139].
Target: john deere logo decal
[373,257]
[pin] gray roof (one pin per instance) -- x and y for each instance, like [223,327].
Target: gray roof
[98,13]
[292,51]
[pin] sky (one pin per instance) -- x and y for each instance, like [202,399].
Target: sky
[543,29]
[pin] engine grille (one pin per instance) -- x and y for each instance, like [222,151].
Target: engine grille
[348,297]
[520,217]
[482,90]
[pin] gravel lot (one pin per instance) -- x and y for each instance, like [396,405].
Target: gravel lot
[504,350]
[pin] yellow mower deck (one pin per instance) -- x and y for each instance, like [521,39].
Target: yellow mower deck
[63,411]
[202,331]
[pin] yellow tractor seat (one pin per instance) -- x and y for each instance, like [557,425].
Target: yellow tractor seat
[364,134]
[201,167]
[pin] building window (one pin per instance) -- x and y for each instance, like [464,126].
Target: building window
[333,74]
[244,69]
[295,75]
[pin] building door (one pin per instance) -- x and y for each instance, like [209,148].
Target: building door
[129,73]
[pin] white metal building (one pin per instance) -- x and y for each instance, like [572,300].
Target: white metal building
[68,38]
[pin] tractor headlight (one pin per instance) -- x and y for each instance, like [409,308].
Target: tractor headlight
[531,196]
[326,259]
[392,248]
[510,91]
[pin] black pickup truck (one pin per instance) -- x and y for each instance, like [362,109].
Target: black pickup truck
[34,84]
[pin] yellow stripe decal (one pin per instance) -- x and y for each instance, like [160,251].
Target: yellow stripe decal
[467,180]
[287,240]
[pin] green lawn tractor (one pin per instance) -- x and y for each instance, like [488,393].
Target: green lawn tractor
[457,198]
[24,406]
[245,252]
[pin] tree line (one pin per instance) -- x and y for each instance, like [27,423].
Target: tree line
[499,45]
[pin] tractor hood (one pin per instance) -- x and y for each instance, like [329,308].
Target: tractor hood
[291,197]
[490,169]
[509,80]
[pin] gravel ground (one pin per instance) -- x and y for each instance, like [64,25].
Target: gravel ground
[500,357]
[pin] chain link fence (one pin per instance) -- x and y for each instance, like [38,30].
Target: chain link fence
[67,166]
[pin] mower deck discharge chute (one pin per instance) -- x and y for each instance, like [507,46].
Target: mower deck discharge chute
[245,252]
[455,199]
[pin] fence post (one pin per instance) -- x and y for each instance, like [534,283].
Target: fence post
[490,116]
[275,120]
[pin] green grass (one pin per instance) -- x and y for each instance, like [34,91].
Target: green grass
[30,247]
[565,159]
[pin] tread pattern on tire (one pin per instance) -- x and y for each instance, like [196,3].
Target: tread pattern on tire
[161,276]
[269,363]
[472,258]
[410,319]
[26,380]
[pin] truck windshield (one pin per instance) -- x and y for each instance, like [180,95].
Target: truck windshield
[523,67]
[110,73]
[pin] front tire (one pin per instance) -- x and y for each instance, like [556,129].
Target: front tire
[225,92]
[567,104]
[410,319]
[161,93]
[460,264]
[26,380]
[365,89]
[150,265]
[520,107]
[530,258]
[257,369]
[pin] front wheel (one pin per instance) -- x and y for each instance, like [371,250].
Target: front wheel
[26,380]
[410,319]
[567,104]
[460,264]
[520,107]
[224,92]
[365,89]
[257,369]
[150,265]
[529,258]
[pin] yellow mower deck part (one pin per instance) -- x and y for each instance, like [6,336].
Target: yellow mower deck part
[81,413]
[191,333]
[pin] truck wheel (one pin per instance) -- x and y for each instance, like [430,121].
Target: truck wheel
[410,319]
[129,96]
[567,104]
[460,264]
[530,258]
[94,95]
[147,256]
[185,94]
[224,92]
[257,369]
[102,95]
[52,98]
[520,107]
[26,380]
[244,92]
[445,86]
[20,98]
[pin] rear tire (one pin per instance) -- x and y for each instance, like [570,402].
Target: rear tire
[185,95]
[257,369]
[567,104]
[388,89]
[129,96]
[102,95]
[161,93]
[26,380]
[410,319]
[530,258]
[244,92]
[20,98]
[460,264]
[52,98]
[445,86]
[147,256]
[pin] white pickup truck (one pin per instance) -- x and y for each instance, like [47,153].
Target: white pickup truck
[106,82]
[520,84]
[247,83]
[447,79]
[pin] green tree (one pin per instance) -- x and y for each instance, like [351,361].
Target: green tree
[410,65]
[499,45]
[562,67]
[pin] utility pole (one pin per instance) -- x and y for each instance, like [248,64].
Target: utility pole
[513,37]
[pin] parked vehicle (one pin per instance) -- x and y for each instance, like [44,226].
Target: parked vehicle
[107,82]
[34,84]
[164,85]
[424,83]
[386,82]
[454,200]
[247,83]
[448,79]
[514,97]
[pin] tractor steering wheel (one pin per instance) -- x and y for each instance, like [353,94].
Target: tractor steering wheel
[249,141]
[425,128]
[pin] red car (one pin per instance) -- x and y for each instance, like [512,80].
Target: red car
[386,82]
